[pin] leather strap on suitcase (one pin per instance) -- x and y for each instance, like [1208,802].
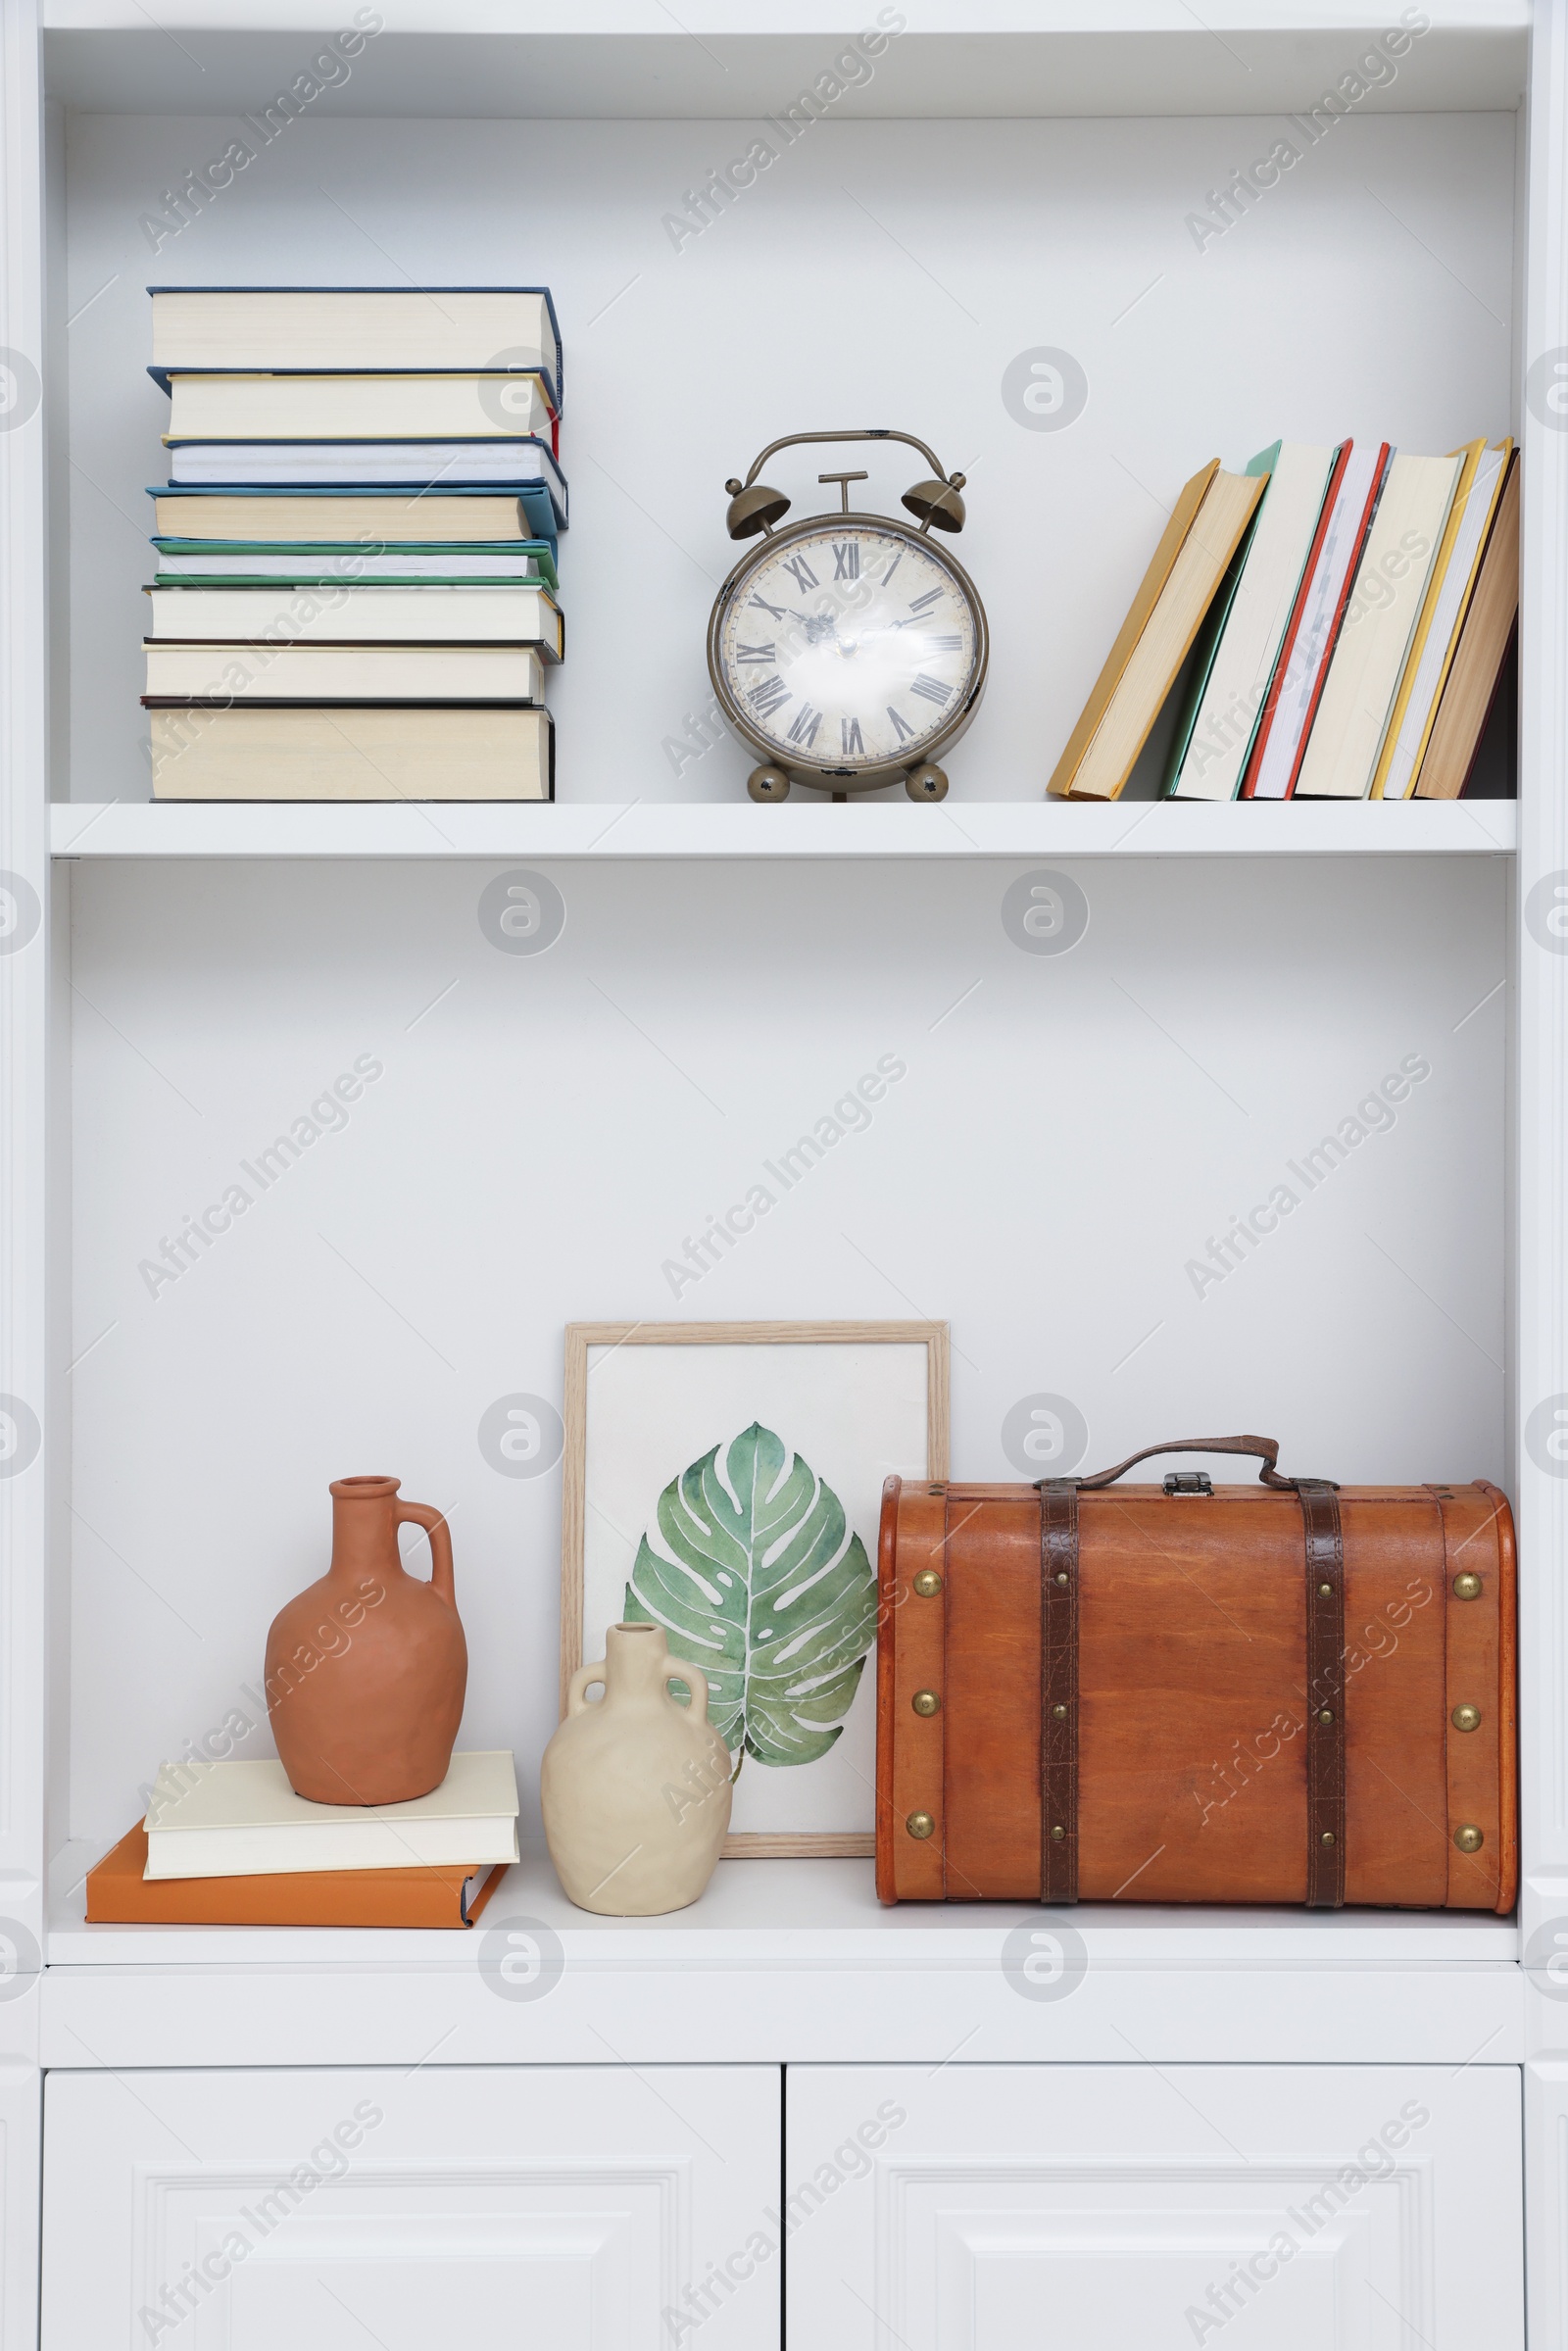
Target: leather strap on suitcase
[1324,1601]
[1325,1694]
[1058,1690]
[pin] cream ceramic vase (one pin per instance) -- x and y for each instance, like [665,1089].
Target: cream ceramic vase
[636,1789]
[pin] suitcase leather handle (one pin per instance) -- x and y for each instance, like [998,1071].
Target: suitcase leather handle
[1266,1448]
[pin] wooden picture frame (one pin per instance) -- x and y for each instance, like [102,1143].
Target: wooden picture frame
[584,1337]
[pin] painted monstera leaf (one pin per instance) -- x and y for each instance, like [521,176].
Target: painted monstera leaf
[759,1580]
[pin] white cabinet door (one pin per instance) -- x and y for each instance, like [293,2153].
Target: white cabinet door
[1135,2208]
[576,2208]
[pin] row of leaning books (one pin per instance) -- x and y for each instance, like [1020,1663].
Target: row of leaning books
[229,1843]
[1333,623]
[355,593]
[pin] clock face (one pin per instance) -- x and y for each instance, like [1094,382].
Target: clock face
[852,647]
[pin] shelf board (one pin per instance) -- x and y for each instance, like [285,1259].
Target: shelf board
[710,829]
[630,58]
[790,1916]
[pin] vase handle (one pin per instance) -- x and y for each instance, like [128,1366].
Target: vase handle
[696,1681]
[428,1516]
[582,1680]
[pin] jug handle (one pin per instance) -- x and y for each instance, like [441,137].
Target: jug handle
[428,1516]
[696,1681]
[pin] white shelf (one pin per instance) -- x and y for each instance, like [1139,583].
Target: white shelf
[784,1961]
[631,59]
[787,1916]
[707,829]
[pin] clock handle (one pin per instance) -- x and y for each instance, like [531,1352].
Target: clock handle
[792,440]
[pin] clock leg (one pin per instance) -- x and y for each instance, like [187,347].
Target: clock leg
[768,783]
[926,783]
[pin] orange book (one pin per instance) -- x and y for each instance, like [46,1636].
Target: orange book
[119,1894]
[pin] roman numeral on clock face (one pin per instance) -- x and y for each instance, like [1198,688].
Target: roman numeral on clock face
[799,570]
[921,603]
[942,644]
[893,566]
[807,722]
[777,609]
[850,746]
[932,689]
[846,561]
[904,732]
[766,696]
[763,652]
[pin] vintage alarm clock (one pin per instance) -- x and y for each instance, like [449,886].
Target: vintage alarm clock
[850,649]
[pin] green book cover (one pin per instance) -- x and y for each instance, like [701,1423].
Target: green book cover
[1213,630]
[535,554]
[286,581]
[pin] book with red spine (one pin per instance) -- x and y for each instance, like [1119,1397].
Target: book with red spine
[1351,500]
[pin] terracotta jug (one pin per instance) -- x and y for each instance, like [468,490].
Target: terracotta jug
[366,1669]
[636,1789]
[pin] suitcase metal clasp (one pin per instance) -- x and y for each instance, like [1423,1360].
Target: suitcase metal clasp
[1189,1481]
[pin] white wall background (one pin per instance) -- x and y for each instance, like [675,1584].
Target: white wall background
[546,1135]
[878,273]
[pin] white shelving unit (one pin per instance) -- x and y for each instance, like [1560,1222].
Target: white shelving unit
[584,2120]
[975,829]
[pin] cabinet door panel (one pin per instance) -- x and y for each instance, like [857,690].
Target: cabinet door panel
[331,2211]
[1285,2208]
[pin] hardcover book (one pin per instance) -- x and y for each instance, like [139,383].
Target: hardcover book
[1488,642]
[362,613]
[361,752]
[344,513]
[221,674]
[121,1893]
[352,330]
[514,465]
[253,562]
[1211,749]
[1173,540]
[358,408]
[1449,600]
[1313,627]
[1119,719]
[1369,658]
[242,1820]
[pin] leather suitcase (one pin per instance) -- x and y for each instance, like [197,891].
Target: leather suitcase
[1287,1693]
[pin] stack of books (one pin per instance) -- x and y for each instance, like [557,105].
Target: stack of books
[356,588]
[1341,623]
[230,1844]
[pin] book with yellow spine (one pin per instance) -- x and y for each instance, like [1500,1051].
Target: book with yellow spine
[1437,631]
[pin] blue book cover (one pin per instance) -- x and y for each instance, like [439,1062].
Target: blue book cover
[411,452]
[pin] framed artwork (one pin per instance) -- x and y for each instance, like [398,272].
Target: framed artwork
[724,1481]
